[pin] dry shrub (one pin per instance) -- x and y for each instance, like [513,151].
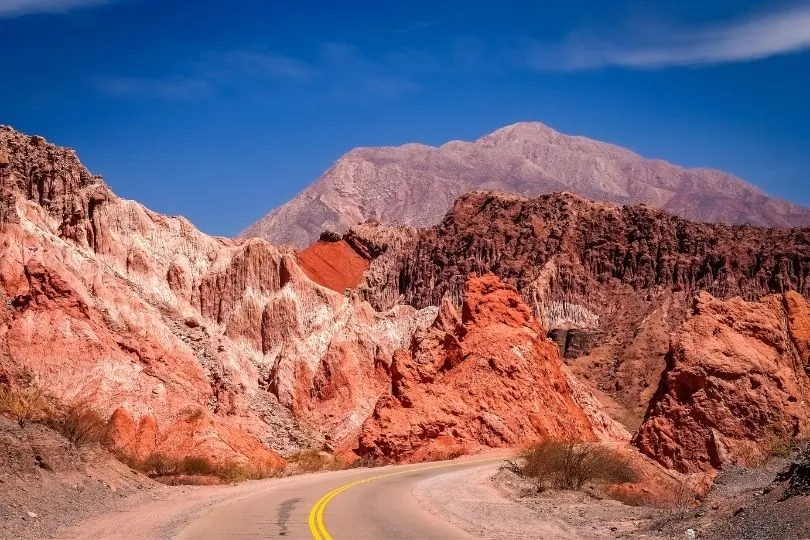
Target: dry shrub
[80,425]
[24,404]
[239,472]
[313,460]
[569,465]
[366,461]
[780,444]
[195,469]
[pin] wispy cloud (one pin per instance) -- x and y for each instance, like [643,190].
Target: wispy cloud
[213,72]
[413,27]
[169,89]
[755,37]
[338,72]
[261,62]
[16,8]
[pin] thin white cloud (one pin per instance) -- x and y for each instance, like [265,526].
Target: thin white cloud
[419,25]
[338,72]
[214,72]
[755,37]
[169,89]
[262,62]
[16,8]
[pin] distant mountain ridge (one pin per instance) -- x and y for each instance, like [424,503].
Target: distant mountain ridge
[416,184]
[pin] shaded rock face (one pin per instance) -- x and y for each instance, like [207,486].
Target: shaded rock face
[623,275]
[107,302]
[485,378]
[735,386]
[572,342]
[795,478]
[415,184]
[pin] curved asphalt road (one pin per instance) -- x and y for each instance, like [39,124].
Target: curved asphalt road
[352,504]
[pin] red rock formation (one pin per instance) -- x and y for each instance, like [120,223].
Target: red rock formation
[623,276]
[333,264]
[121,307]
[735,385]
[486,378]
[196,433]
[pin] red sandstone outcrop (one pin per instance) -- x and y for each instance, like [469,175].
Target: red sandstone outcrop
[333,264]
[735,387]
[486,378]
[610,283]
[124,308]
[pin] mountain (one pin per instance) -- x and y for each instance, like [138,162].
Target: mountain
[611,283]
[416,184]
[702,325]
[188,345]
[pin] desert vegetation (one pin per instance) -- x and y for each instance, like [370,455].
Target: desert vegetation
[197,469]
[80,425]
[571,465]
[24,403]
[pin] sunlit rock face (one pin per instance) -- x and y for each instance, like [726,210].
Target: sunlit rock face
[132,311]
[483,378]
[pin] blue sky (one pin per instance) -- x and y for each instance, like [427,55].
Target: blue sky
[222,111]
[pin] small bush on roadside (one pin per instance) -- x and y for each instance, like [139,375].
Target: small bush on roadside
[196,465]
[191,469]
[80,425]
[366,462]
[780,445]
[158,464]
[313,460]
[569,465]
[24,404]
[239,472]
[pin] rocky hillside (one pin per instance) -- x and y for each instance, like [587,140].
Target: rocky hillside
[611,283]
[191,344]
[416,184]
[735,390]
[483,378]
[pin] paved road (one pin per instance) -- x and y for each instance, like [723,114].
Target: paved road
[353,504]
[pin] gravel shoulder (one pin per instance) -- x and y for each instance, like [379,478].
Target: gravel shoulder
[492,503]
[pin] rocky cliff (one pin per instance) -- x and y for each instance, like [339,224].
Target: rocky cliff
[194,342]
[735,390]
[483,378]
[416,184]
[610,282]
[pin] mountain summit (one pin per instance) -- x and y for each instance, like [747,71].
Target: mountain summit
[416,184]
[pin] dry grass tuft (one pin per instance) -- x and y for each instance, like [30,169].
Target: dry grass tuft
[198,470]
[314,460]
[24,404]
[80,425]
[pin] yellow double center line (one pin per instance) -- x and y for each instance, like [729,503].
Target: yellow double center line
[316,524]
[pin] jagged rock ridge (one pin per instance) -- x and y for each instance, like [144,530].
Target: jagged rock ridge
[194,342]
[617,279]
